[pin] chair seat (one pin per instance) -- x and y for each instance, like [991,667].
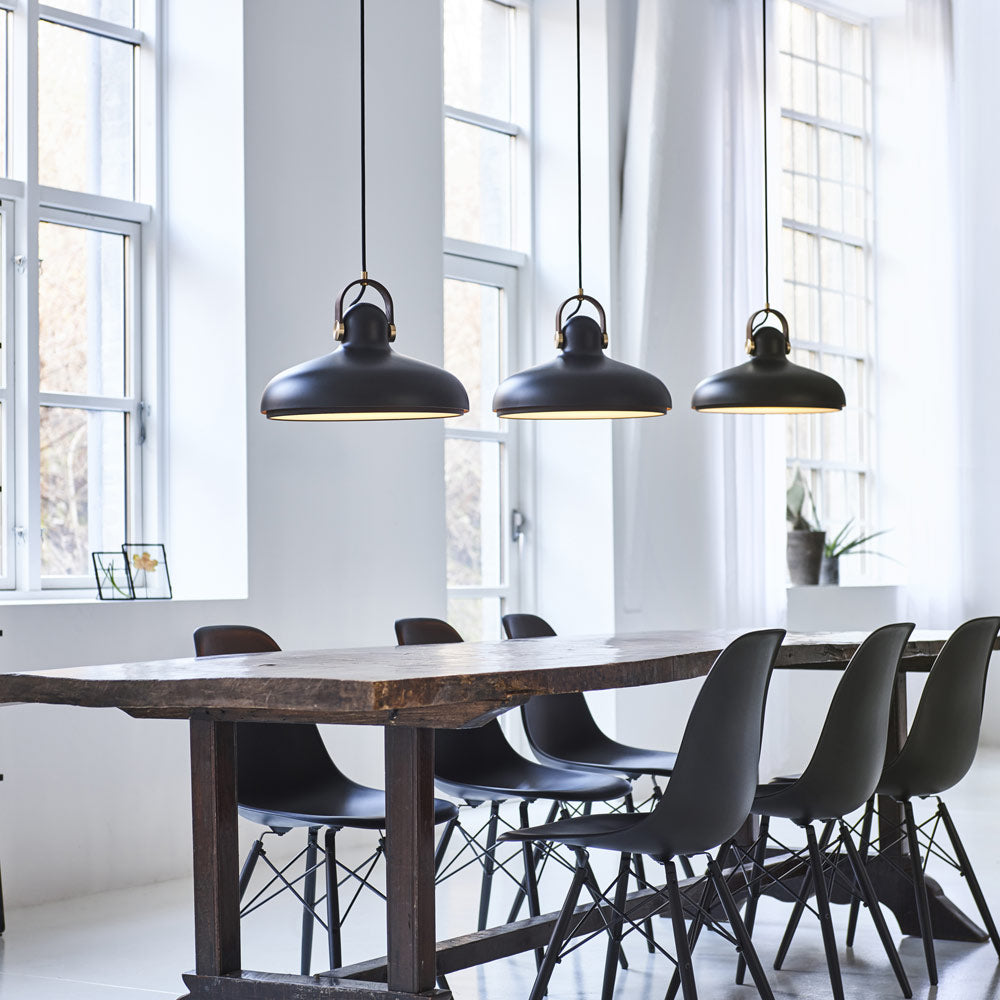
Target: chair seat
[619,758]
[582,831]
[341,805]
[524,779]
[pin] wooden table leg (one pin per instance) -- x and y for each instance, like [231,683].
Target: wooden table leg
[216,847]
[409,784]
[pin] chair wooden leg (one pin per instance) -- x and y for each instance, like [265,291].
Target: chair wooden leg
[487,884]
[442,846]
[561,927]
[799,908]
[640,870]
[684,966]
[750,917]
[866,839]
[694,932]
[920,892]
[530,881]
[539,850]
[246,872]
[871,901]
[332,899]
[825,918]
[970,875]
[740,932]
[615,930]
[309,894]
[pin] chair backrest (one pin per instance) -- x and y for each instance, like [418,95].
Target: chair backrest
[715,777]
[942,742]
[459,754]
[557,725]
[272,758]
[845,767]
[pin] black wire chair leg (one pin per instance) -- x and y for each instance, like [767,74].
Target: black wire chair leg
[970,875]
[332,899]
[246,872]
[640,871]
[442,846]
[309,894]
[799,908]
[559,930]
[825,919]
[866,839]
[595,891]
[871,901]
[684,966]
[750,917]
[742,935]
[686,866]
[488,861]
[615,930]
[920,892]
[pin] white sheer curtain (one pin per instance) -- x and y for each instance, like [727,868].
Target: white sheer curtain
[918,461]
[700,496]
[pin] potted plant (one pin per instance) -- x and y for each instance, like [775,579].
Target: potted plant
[844,543]
[806,540]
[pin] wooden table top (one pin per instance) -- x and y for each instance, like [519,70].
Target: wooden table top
[437,685]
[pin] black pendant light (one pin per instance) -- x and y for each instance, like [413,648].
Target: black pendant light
[581,382]
[363,378]
[768,382]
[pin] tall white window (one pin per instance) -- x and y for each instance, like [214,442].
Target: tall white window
[486,179]
[76,161]
[826,123]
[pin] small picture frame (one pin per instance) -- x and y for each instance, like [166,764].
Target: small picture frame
[114,582]
[146,563]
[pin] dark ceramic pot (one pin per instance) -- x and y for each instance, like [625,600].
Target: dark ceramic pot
[829,572]
[805,554]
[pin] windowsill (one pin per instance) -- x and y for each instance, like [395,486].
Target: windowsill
[56,596]
[850,607]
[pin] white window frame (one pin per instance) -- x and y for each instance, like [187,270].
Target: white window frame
[507,268]
[868,355]
[505,278]
[25,203]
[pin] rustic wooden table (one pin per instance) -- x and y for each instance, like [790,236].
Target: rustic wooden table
[409,691]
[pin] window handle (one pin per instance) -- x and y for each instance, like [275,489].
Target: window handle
[518,525]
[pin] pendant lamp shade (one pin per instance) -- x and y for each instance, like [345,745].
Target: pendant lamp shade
[768,382]
[581,382]
[364,378]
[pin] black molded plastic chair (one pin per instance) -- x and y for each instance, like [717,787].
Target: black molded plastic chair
[479,765]
[703,806]
[839,779]
[286,779]
[937,754]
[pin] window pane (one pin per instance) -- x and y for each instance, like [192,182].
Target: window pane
[477,56]
[85,112]
[477,619]
[472,346]
[81,311]
[477,184]
[4,72]
[117,11]
[82,486]
[473,492]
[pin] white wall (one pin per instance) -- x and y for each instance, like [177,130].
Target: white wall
[345,524]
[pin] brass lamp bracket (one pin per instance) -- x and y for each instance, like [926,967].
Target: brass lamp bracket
[364,281]
[751,344]
[580,298]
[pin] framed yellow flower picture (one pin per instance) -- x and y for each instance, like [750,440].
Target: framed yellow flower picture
[147,569]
